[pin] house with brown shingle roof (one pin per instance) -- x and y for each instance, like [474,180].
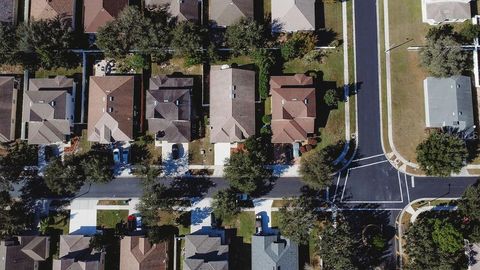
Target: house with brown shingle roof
[49,9]
[111,109]
[75,253]
[136,253]
[8,104]
[224,13]
[168,109]
[48,110]
[293,108]
[184,10]
[24,252]
[232,104]
[96,13]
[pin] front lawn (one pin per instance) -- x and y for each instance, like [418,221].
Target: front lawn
[179,219]
[56,224]
[244,223]
[201,151]
[46,73]
[110,218]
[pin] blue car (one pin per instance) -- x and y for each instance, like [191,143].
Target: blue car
[125,155]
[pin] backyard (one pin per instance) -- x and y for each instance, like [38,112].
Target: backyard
[56,224]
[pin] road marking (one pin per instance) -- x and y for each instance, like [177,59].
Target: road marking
[370,209]
[368,157]
[345,185]
[400,185]
[367,165]
[372,201]
[413,181]
[406,186]
[336,187]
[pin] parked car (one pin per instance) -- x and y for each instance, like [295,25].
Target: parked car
[116,155]
[175,151]
[258,224]
[125,155]
[139,223]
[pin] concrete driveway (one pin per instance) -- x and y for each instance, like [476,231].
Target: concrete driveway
[83,217]
[174,167]
[222,152]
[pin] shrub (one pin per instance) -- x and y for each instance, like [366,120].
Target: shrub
[267,119]
[313,56]
[331,98]
[298,45]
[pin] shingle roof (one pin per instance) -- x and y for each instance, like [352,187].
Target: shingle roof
[22,253]
[183,10]
[48,110]
[98,12]
[110,109]
[7,109]
[273,252]
[75,254]
[232,104]
[49,9]
[448,102]
[136,253]
[293,15]
[203,252]
[293,108]
[7,12]
[227,12]
[168,109]
[438,11]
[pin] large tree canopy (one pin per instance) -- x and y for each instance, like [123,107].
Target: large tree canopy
[297,219]
[338,247]
[441,154]
[64,178]
[15,216]
[188,39]
[7,44]
[316,169]
[12,165]
[225,205]
[245,36]
[443,55]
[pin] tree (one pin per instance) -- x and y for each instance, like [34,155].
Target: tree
[157,234]
[443,55]
[448,239]
[225,205]
[469,204]
[316,169]
[331,98]
[187,41]
[245,36]
[12,165]
[7,44]
[424,252]
[296,220]
[338,247]
[64,178]
[259,148]
[469,31]
[264,60]
[298,45]
[15,216]
[155,197]
[441,154]
[46,44]
[245,174]
[97,167]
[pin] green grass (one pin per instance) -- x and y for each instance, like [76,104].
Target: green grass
[112,202]
[194,148]
[173,218]
[43,73]
[268,105]
[58,224]
[267,7]
[175,65]
[110,218]
[245,225]
[274,219]
[84,144]
[239,60]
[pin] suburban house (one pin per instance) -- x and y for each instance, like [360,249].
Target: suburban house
[8,12]
[49,9]
[136,253]
[435,12]
[168,109]
[111,109]
[224,13]
[48,110]
[8,108]
[232,104]
[293,15]
[75,253]
[24,252]
[96,13]
[206,249]
[293,108]
[184,10]
[274,252]
[448,102]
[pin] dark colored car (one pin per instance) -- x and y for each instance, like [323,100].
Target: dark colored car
[175,151]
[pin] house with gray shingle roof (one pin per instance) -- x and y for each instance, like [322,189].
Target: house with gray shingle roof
[293,15]
[224,13]
[24,252]
[75,253]
[8,12]
[168,109]
[274,252]
[435,12]
[184,10]
[232,104]
[8,104]
[48,110]
[448,102]
[206,249]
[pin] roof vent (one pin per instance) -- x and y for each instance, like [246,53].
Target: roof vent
[165,101]
[305,101]
[41,101]
[52,103]
[177,102]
